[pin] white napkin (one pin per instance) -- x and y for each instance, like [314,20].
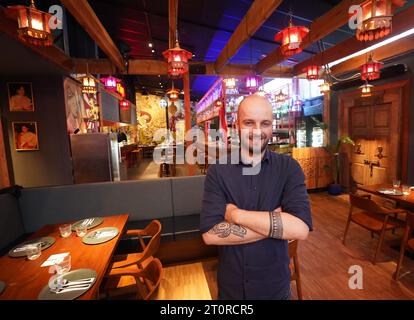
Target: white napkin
[387,191]
[54,258]
[105,234]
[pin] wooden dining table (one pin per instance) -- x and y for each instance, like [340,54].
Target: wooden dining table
[405,200]
[25,279]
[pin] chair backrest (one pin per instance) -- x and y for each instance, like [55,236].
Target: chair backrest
[292,248]
[365,204]
[154,231]
[152,275]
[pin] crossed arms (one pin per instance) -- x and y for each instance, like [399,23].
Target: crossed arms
[242,227]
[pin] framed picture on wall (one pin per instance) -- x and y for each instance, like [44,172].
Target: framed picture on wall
[25,136]
[20,96]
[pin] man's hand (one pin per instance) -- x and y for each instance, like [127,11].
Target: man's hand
[232,213]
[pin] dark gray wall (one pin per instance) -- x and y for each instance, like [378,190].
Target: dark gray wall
[407,60]
[51,165]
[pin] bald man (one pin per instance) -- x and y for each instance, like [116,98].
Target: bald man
[251,217]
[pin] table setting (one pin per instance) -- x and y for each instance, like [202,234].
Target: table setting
[32,248]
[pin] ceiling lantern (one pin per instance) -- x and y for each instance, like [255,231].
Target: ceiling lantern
[230,83]
[173,94]
[252,83]
[88,84]
[124,104]
[280,97]
[377,19]
[177,59]
[325,87]
[371,70]
[312,72]
[33,25]
[366,90]
[110,83]
[291,39]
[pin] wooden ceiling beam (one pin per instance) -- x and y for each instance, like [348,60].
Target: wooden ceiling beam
[400,23]
[52,53]
[258,13]
[320,28]
[172,22]
[86,17]
[394,49]
[159,67]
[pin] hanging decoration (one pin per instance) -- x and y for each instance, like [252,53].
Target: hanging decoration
[280,97]
[88,84]
[371,69]
[377,19]
[291,39]
[120,89]
[110,83]
[366,90]
[33,25]
[173,93]
[325,87]
[124,104]
[253,83]
[230,83]
[312,72]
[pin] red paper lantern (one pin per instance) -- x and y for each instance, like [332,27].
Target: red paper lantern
[177,59]
[377,19]
[124,104]
[371,70]
[33,24]
[291,39]
[110,83]
[312,72]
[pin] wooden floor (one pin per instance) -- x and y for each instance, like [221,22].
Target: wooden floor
[324,262]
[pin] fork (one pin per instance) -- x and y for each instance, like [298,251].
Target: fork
[72,288]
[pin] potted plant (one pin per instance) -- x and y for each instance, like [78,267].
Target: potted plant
[334,188]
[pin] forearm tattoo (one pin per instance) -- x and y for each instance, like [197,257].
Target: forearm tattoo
[224,229]
[276,225]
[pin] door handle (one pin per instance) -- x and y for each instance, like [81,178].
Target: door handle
[367,162]
[371,166]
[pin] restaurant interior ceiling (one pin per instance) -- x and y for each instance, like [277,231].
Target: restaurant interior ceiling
[204,28]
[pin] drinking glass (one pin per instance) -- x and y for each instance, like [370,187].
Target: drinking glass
[406,190]
[63,265]
[396,184]
[34,251]
[65,230]
[81,230]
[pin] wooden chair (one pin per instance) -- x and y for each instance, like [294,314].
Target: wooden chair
[147,282]
[374,218]
[133,264]
[406,243]
[294,266]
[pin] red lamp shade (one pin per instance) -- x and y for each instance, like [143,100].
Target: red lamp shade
[177,59]
[312,72]
[110,83]
[33,25]
[371,70]
[291,39]
[377,19]
[173,94]
[124,104]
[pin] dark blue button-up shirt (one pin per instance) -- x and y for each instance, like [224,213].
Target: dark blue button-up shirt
[258,270]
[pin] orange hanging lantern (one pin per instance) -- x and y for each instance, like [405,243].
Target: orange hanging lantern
[291,39]
[121,90]
[312,72]
[325,87]
[371,70]
[366,90]
[280,97]
[88,84]
[173,94]
[33,24]
[230,83]
[177,59]
[377,19]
